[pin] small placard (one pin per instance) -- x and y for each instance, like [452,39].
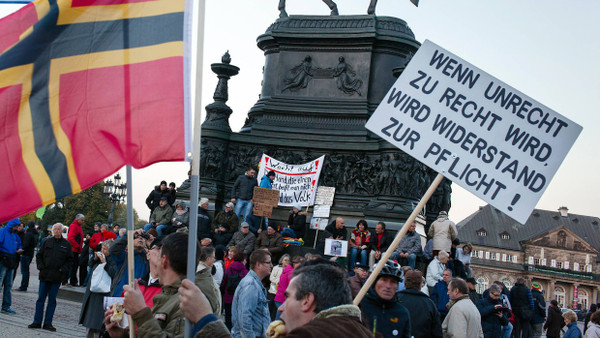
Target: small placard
[336,247]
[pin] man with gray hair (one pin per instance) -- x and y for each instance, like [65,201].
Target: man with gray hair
[54,259]
[75,237]
[463,319]
[493,313]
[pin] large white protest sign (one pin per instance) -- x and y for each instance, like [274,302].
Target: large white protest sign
[477,131]
[296,182]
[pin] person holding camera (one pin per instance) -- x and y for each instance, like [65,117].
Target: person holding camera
[493,313]
[92,306]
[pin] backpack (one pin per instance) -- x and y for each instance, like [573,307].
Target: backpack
[232,282]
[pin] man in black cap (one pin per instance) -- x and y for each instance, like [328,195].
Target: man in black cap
[473,295]
[356,282]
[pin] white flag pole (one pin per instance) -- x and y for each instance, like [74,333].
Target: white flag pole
[194,177]
[398,238]
[130,249]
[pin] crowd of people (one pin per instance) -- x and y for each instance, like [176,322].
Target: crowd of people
[244,279]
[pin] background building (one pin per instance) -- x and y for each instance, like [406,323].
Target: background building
[554,248]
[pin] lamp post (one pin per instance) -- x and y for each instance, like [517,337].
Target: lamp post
[115,192]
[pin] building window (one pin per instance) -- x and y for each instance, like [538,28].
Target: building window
[559,295]
[481,232]
[482,285]
[515,258]
[559,265]
[474,253]
[576,266]
[530,260]
[536,261]
[504,257]
[567,265]
[588,268]
[498,257]
[583,298]
[505,235]
[544,262]
[553,263]
[561,241]
[487,255]
[492,256]
[481,254]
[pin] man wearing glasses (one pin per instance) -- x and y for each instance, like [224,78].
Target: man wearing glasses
[250,310]
[493,312]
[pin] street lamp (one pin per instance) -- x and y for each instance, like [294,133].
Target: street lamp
[115,192]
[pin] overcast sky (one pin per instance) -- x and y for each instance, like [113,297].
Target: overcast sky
[545,49]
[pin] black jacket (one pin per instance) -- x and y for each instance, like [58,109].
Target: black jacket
[425,320]
[155,195]
[386,240]
[554,322]
[490,322]
[243,188]
[204,224]
[29,242]
[385,316]
[297,221]
[54,260]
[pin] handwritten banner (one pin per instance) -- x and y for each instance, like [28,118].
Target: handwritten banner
[296,182]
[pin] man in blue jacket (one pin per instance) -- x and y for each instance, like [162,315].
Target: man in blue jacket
[493,313]
[439,294]
[10,247]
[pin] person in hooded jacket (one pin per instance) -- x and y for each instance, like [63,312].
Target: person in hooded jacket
[75,237]
[492,316]
[443,232]
[237,269]
[10,247]
[523,307]
[382,312]
[425,320]
[593,328]
[539,309]
[588,316]
[554,321]
[28,244]
[180,218]
[439,294]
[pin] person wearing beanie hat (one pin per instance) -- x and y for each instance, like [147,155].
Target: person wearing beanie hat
[204,219]
[296,223]
[539,309]
[10,247]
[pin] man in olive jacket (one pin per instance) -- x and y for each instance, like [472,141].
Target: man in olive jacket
[54,260]
[165,319]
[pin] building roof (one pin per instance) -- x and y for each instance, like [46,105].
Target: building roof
[495,223]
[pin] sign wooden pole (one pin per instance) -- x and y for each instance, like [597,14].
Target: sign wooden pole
[398,238]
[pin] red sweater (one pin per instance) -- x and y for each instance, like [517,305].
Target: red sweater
[75,236]
[101,237]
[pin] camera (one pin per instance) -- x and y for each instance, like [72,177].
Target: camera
[501,309]
[144,235]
